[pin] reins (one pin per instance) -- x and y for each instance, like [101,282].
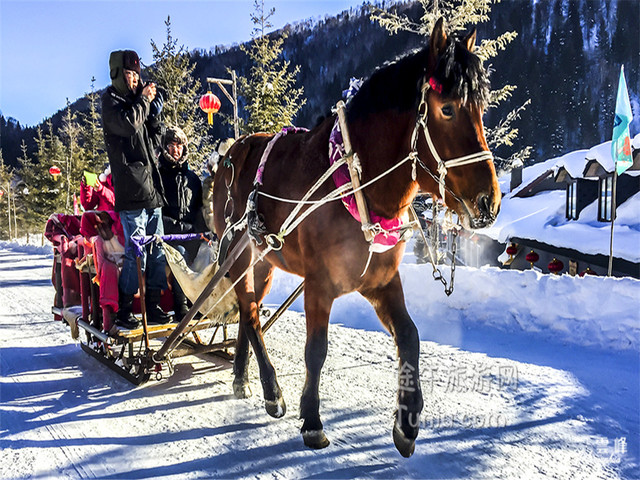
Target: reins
[350,158]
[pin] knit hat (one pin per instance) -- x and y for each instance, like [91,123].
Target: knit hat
[103,176]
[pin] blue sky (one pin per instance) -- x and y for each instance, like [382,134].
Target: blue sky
[50,49]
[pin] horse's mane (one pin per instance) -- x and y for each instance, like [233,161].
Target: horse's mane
[393,86]
[396,85]
[461,74]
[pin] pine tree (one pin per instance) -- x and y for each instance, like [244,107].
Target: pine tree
[45,194]
[270,97]
[173,73]
[73,157]
[458,15]
[94,152]
[7,212]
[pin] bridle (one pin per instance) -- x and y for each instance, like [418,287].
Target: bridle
[443,165]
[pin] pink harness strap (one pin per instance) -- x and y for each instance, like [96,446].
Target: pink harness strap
[267,150]
[392,228]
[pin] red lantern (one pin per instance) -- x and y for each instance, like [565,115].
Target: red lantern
[55,172]
[512,250]
[532,257]
[555,266]
[210,104]
[588,271]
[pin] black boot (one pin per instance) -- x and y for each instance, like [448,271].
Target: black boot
[180,306]
[125,317]
[155,314]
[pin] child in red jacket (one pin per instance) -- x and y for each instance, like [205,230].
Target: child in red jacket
[96,192]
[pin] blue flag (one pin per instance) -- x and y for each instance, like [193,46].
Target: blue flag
[621,141]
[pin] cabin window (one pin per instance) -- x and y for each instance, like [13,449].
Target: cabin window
[605,199]
[572,210]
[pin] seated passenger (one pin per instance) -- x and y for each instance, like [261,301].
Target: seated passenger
[104,233]
[182,212]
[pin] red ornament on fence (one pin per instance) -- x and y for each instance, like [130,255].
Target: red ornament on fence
[55,172]
[532,257]
[588,271]
[209,104]
[555,266]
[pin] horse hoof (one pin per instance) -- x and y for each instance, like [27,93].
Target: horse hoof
[315,439]
[405,446]
[241,389]
[276,408]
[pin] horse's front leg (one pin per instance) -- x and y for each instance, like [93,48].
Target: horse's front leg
[389,304]
[251,332]
[317,308]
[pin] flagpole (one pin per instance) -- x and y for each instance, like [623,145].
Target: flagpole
[613,217]
[620,148]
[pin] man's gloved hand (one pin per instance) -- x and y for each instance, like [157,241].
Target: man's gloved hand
[156,104]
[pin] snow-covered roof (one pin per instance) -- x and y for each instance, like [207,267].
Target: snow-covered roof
[542,217]
[573,163]
[602,154]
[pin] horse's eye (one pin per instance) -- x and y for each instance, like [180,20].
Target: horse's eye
[447,110]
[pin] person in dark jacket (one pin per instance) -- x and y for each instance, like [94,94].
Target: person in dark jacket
[132,132]
[183,211]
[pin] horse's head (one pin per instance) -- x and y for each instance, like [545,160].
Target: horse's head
[452,149]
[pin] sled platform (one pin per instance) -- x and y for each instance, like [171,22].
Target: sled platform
[124,351]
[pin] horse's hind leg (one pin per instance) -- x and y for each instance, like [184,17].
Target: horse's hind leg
[241,387]
[252,332]
[317,309]
[262,281]
[389,304]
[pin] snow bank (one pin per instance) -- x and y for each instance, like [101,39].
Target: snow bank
[600,312]
[23,246]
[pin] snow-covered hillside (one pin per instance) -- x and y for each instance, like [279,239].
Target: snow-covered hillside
[511,389]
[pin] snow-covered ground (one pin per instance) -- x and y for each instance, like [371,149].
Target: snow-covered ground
[524,375]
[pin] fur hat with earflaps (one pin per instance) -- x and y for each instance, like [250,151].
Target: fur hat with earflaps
[119,61]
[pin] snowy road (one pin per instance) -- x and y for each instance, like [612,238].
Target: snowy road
[63,415]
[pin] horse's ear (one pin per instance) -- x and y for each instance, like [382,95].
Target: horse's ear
[470,40]
[438,38]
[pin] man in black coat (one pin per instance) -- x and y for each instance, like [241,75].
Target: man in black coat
[183,211]
[131,124]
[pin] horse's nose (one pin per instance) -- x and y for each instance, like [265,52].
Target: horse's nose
[485,205]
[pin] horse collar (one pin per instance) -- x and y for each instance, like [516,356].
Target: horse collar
[387,232]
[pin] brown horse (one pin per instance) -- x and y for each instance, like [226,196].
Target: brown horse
[439,93]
